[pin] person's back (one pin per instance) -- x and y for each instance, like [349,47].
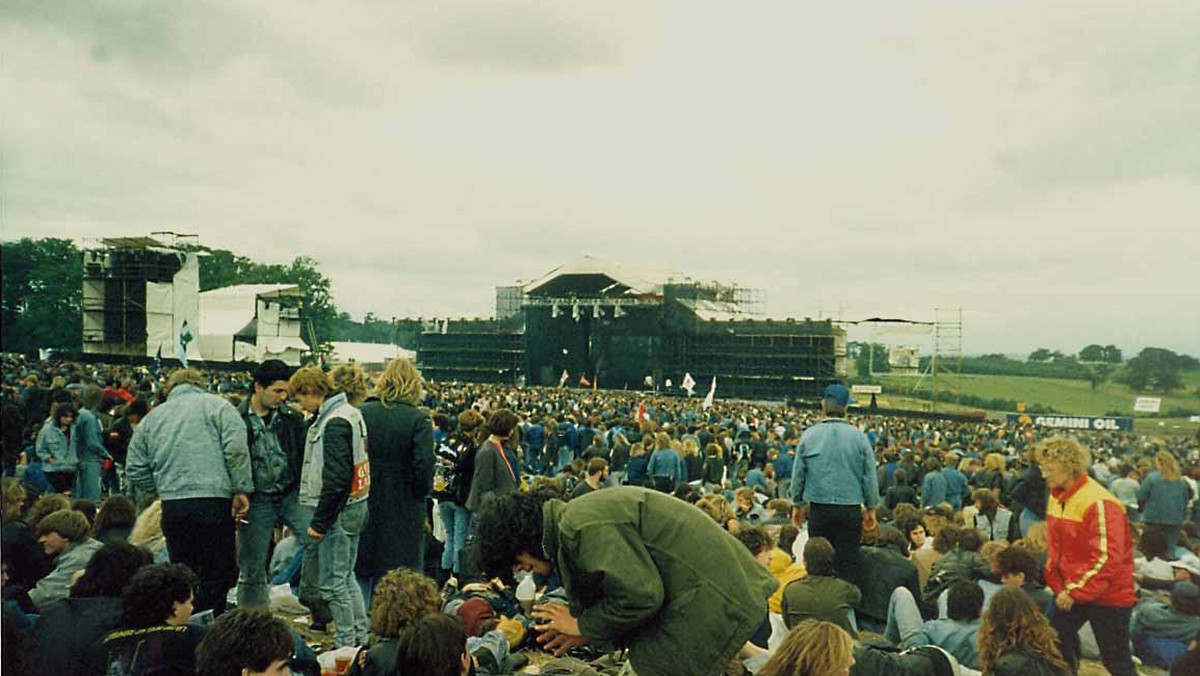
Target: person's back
[820,597]
[934,489]
[889,570]
[67,633]
[900,493]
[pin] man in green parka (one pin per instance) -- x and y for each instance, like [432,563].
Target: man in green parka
[642,570]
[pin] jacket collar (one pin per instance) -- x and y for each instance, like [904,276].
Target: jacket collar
[551,513]
[331,402]
[1064,494]
[180,390]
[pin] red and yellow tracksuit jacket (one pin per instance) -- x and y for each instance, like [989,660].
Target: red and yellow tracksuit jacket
[1091,550]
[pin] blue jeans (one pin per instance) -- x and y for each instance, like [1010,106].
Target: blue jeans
[87,480]
[457,520]
[904,622]
[337,553]
[1028,518]
[254,539]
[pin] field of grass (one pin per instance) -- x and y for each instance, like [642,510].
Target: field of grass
[1075,397]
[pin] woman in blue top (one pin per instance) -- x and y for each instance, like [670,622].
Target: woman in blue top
[55,450]
[1164,496]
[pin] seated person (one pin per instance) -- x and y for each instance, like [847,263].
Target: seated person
[155,636]
[435,645]
[596,476]
[401,597]
[1153,562]
[759,542]
[1161,629]
[994,523]
[779,512]
[244,642]
[1016,639]
[66,635]
[962,563]
[899,492]
[64,536]
[1018,569]
[821,595]
[956,635]
[747,507]
[890,569]
[822,648]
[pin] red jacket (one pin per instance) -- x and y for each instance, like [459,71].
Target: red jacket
[1091,550]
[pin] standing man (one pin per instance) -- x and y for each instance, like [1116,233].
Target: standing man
[88,437]
[1089,562]
[192,451]
[275,436]
[834,472]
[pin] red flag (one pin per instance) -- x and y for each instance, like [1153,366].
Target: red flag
[641,411]
[584,381]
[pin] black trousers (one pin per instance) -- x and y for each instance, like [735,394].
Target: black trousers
[200,534]
[1111,626]
[842,526]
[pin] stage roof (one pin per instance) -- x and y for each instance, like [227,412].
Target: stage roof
[229,310]
[593,276]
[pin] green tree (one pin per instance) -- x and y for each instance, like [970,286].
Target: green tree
[1093,353]
[1098,374]
[1040,354]
[42,295]
[869,358]
[1154,368]
[1112,354]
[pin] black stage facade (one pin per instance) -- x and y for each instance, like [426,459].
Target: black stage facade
[614,327]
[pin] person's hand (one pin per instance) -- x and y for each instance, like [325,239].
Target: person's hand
[869,522]
[49,461]
[1064,601]
[559,629]
[241,505]
[314,535]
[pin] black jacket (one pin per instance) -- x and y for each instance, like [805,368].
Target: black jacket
[67,635]
[889,571]
[400,447]
[290,432]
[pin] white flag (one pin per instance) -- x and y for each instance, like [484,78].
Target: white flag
[712,392]
[563,380]
[688,383]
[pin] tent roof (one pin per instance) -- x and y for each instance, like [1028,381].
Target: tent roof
[367,353]
[229,311]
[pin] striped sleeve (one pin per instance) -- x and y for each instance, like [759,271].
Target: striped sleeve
[1097,523]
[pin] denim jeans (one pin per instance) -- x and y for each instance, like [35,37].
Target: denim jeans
[457,520]
[904,621]
[337,553]
[87,480]
[1028,518]
[254,540]
[1111,626]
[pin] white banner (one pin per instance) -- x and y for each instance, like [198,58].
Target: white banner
[866,389]
[1147,404]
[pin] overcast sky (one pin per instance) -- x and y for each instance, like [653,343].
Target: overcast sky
[1035,163]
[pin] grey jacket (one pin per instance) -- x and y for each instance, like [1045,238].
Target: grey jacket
[52,442]
[191,446]
[57,584]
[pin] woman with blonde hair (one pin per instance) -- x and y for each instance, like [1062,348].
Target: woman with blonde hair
[991,476]
[1164,497]
[402,461]
[635,469]
[350,380]
[1016,639]
[812,648]
[1090,556]
[401,598]
[716,506]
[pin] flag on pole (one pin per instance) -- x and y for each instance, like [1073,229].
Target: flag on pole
[595,382]
[563,379]
[158,360]
[641,412]
[185,337]
[712,392]
[688,383]
[584,381]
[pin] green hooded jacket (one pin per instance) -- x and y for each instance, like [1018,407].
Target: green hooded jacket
[652,573]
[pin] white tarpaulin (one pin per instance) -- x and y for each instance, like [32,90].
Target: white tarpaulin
[160,318]
[367,353]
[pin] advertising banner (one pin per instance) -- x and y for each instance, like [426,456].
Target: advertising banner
[1073,422]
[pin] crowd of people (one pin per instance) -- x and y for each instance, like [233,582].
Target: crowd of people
[448,528]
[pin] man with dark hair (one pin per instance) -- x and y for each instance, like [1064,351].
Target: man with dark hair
[890,569]
[834,472]
[191,450]
[275,437]
[640,571]
[820,595]
[246,641]
[1019,568]
[155,636]
[597,474]
[88,437]
[956,635]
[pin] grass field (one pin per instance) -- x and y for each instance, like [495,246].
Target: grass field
[1075,397]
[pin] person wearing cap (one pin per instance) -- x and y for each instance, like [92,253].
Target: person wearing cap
[275,437]
[1089,562]
[1161,628]
[835,473]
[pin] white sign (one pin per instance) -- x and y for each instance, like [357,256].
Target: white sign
[1147,404]
[1195,418]
[866,389]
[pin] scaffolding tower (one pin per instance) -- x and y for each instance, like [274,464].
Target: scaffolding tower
[945,365]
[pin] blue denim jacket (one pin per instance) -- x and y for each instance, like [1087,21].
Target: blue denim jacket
[88,437]
[835,465]
[956,638]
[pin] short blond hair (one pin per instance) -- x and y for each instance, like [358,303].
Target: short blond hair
[401,381]
[1064,452]
[310,380]
[185,377]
